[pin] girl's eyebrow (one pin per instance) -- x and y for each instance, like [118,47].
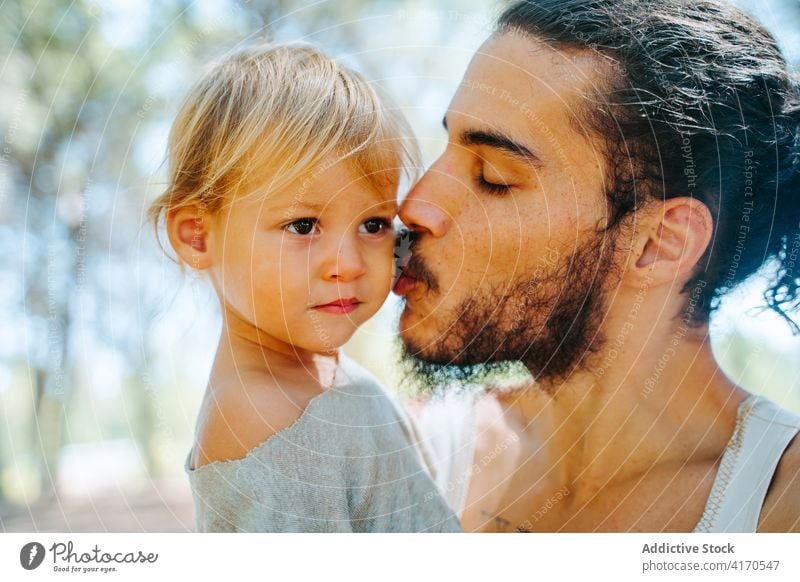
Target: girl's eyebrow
[292,204]
[318,207]
[315,206]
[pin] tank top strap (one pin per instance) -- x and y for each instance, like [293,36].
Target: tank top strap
[763,431]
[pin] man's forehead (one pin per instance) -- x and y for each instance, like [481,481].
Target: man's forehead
[516,72]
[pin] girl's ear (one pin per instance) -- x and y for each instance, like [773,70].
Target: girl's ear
[187,228]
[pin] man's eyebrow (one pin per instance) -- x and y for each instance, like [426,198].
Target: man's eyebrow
[497,140]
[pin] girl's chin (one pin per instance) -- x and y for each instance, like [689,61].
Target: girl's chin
[327,338]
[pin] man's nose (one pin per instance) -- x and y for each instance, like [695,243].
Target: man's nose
[425,209]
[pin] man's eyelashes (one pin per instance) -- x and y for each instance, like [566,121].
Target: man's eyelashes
[491,187]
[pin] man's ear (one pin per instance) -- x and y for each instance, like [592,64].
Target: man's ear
[672,238]
[187,228]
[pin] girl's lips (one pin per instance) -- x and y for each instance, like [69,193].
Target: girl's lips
[339,307]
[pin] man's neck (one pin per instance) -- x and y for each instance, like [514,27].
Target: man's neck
[659,403]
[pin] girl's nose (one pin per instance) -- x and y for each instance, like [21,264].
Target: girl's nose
[343,260]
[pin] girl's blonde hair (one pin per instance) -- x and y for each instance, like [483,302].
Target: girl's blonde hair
[262,117]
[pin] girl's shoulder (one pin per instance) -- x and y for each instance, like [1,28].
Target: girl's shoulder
[243,413]
[247,414]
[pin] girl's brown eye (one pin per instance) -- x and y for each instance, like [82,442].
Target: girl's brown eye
[375,225]
[302,227]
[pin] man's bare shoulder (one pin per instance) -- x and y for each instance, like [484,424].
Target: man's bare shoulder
[781,511]
[241,414]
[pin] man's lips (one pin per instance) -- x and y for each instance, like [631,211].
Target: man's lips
[340,306]
[404,283]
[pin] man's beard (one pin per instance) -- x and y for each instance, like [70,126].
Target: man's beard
[549,322]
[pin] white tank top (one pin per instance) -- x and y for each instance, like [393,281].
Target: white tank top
[763,431]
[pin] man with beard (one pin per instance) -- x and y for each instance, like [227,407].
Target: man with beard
[614,168]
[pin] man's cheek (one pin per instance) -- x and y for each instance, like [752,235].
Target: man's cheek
[470,280]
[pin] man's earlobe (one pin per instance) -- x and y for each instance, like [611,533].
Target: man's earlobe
[674,238]
[187,228]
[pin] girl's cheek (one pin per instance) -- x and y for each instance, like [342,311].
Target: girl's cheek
[383,253]
[382,265]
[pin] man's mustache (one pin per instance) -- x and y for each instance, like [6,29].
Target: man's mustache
[414,265]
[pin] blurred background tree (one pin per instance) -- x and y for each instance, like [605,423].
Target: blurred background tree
[105,346]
